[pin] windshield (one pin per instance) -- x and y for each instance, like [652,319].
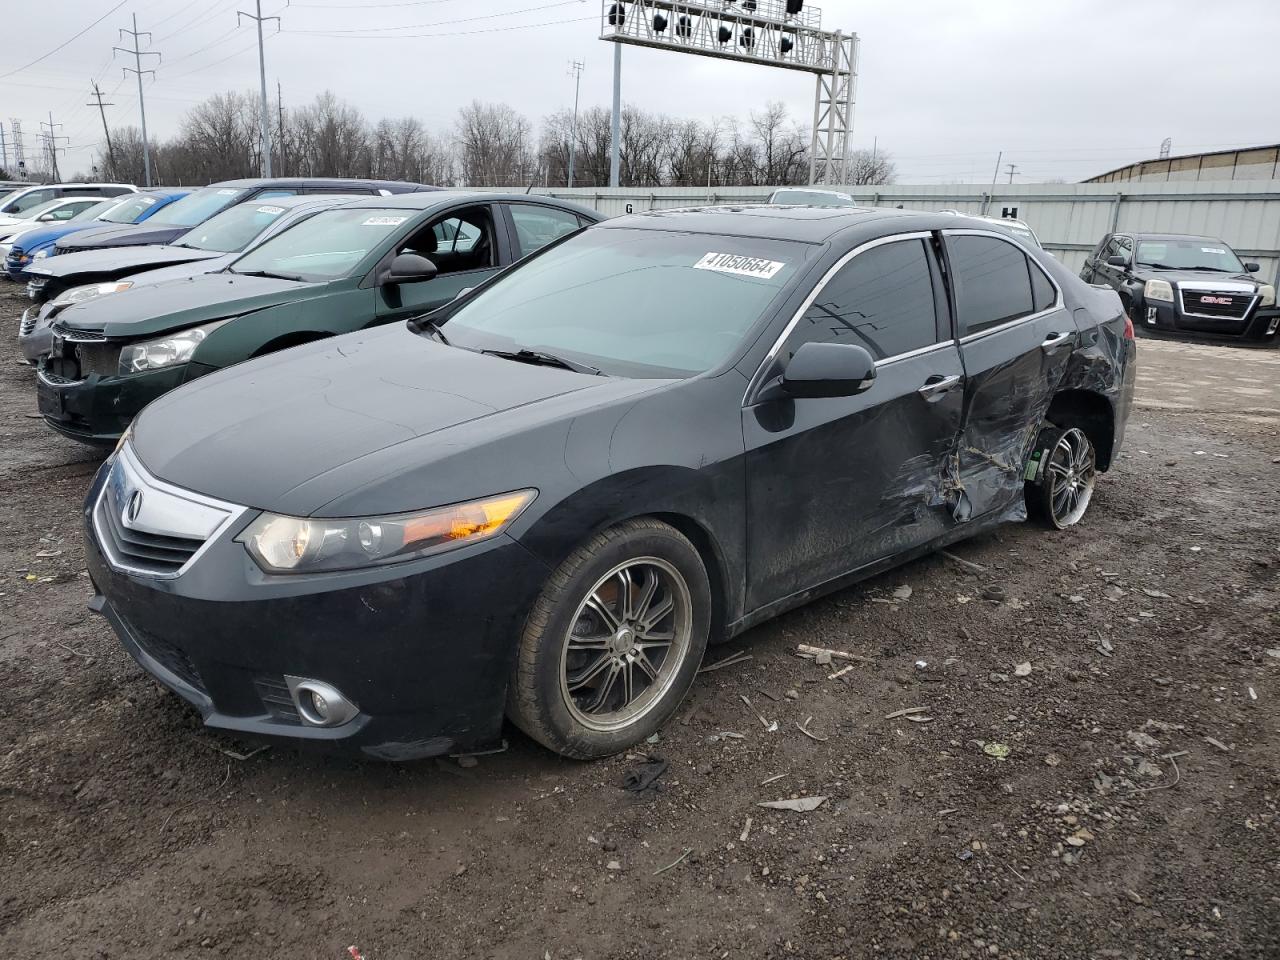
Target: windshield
[32,212]
[232,230]
[195,207]
[637,303]
[816,198]
[1191,253]
[94,212]
[324,247]
[128,209]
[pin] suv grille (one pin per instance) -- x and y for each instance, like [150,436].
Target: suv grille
[1209,303]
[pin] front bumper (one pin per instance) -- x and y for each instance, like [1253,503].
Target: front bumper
[1260,324]
[15,266]
[35,336]
[36,285]
[97,410]
[424,649]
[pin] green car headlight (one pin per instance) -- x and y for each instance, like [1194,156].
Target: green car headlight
[168,351]
[281,544]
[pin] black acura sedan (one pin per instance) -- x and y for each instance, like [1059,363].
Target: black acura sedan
[543,500]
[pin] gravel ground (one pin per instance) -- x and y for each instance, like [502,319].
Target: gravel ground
[1130,667]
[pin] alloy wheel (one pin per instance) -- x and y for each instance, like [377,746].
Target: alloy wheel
[1072,471]
[628,639]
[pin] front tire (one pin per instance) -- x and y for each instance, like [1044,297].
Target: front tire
[613,642]
[1063,487]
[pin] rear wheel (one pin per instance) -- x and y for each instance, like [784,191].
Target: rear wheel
[614,641]
[1060,493]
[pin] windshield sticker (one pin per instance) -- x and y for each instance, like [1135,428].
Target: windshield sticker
[384,221]
[227,193]
[740,266]
[274,211]
[148,201]
[1217,250]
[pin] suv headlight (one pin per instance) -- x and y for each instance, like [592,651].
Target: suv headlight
[90,292]
[282,544]
[1268,294]
[168,351]
[1158,290]
[40,254]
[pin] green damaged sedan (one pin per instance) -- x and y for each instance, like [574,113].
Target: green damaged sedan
[369,262]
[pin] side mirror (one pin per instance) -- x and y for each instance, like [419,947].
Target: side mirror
[825,370]
[1253,267]
[1117,261]
[410,268]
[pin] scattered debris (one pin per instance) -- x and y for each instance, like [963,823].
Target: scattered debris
[798,805]
[792,694]
[613,865]
[840,673]
[1052,759]
[802,727]
[774,779]
[1274,652]
[232,753]
[964,855]
[725,735]
[770,726]
[1156,594]
[1217,743]
[974,568]
[1022,669]
[997,750]
[905,711]
[1104,645]
[643,778]
[354,953]
[804,650]
[1148,769]
[746,831]
[688,850]
[918,718]
[740,657]
[823,658]
[995,593]
[1141,740]
[902,593]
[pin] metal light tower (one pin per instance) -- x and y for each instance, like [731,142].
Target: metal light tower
[264,126]
[575,68]
[776,33]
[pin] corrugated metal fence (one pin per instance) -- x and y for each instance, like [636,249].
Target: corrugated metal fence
[1070,219]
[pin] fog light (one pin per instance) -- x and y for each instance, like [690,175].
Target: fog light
[320,704]
[1151,316]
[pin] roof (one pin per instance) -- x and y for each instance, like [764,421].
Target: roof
[394,185]
[435,198]
[304,200]
[1182,156]
[806,224]
[1166,236]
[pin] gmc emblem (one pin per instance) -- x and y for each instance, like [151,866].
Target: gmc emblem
[1218,301]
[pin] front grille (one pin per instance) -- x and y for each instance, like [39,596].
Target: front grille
[77,355]
[1226,305]
[277,700]
[147,552]
[168,656]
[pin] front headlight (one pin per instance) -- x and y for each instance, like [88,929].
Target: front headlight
[1158,290]
[1268,294]
[91,292]
[167,351]
[40,255]
[296,545]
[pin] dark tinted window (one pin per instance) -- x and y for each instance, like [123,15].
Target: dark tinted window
[1042,291]
[881,300]
[991,281]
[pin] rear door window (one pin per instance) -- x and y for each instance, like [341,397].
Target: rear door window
[992,281]
[882,300]
[32,199]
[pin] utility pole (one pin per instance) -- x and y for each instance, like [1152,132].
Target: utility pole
[280,128]
[111,154]
[51,144]
[615,147]
[136,69]
[1012,169]
[262,76]
[575,68]
[4,150]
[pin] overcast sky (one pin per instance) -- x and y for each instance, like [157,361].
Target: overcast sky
[1066,89]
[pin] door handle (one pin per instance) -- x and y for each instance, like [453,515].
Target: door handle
[1059,338]
[937,385]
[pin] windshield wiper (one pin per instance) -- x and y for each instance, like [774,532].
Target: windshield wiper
[268,273]
[420,324]
[544,359]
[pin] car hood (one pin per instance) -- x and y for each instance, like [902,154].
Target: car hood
[181,303]
[122,235]
[120,262]
[47,234]
[1197,276]
[329,427]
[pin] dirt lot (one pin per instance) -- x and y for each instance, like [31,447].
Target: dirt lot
[1132,670]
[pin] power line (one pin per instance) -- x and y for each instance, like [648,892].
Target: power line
[138,54]
[455,33]
[111,156]
[65,42]
[445,23]
[230,56]
[51,147]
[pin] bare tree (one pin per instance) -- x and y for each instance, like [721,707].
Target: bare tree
[495,145]
[866,168]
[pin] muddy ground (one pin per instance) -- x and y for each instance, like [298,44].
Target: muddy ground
[1132,670]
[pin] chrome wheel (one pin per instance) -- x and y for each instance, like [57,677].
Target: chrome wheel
[626,644]
[1071,472]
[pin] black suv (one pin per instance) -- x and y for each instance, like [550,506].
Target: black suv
[1185,284]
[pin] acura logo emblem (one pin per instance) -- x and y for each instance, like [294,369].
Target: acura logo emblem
[134,506]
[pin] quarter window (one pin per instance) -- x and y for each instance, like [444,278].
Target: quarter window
[992,282]
[881,300]
[537,226]
[1042,291]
